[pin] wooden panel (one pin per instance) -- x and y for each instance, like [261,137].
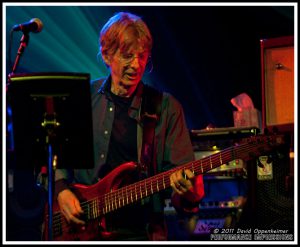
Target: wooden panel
[279,85]
[277,61]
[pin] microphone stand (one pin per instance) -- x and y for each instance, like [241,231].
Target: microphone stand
[23,43]
[50,124]
[49,120]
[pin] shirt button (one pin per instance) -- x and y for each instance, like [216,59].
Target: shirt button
[105,132]
[102,156]
[110,109]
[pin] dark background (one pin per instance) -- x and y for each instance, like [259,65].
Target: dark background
[203,55]
[207,55]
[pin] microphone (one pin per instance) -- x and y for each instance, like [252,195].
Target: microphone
[34,25]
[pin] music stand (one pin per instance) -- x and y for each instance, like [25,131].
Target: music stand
[52,122]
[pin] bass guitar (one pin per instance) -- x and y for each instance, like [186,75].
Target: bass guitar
[107,196]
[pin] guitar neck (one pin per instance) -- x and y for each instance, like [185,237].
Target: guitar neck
[114,199]
[137,191]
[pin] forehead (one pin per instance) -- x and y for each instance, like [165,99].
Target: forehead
[132,41]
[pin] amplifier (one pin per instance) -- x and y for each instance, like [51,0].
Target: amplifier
[226,187]
[277,77]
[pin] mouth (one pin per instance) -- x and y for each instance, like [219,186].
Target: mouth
[131,76]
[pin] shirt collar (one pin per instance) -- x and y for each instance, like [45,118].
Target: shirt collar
[136,101]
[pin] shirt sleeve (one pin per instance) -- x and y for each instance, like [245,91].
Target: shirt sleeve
[62,179]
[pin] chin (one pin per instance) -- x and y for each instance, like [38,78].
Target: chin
[131,82]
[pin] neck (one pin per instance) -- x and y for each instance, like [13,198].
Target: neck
[122,90]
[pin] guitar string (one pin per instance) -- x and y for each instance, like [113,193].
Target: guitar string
[113,195]
[66,226]
[112,198]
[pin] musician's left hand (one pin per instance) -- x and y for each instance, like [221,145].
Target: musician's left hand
[182,181]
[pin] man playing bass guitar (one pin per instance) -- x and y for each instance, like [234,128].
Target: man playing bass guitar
[120,150]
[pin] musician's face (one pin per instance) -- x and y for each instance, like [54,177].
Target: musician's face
[128,64]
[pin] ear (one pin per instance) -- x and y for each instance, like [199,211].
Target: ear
[106,59]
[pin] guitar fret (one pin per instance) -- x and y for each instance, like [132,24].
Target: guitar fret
[146,188]
[193,168]
[88,212]
[96,209]
[201,166]
[157,185]
[135,192]
[105,203]
[116,204]
[141,191]
[109,206]
[93,208]
[126,196]
[131,195]
[221,162]
[123,197]
[151,188]
[164,182]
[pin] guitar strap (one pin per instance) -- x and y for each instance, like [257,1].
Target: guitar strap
[150,115]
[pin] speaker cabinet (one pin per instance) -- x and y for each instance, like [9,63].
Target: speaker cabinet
[25,203]
[270,201]
[277,75]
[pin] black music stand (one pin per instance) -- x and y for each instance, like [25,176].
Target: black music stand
[52,123]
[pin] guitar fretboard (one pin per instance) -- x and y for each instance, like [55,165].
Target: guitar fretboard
[137,191]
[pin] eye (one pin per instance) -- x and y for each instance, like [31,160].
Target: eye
[127,56]
[143,56]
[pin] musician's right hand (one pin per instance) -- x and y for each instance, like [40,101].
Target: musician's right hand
[70,206]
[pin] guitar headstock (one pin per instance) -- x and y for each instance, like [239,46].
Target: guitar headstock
[263,144]
[272,140]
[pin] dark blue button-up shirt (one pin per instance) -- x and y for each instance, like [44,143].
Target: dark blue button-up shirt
[172,142]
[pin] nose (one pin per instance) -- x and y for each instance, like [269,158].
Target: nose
[135,62]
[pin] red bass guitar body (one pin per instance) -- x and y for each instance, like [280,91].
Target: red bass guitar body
[89,197]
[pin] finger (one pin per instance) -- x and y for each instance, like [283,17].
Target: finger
[174,183]
[78,207]
[178,178]
[182,188]
[177,189]
[183,184]
[189,174]
[182,179]
[71,216]
[76,220]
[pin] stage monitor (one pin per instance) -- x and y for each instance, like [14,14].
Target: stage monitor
[51,111]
